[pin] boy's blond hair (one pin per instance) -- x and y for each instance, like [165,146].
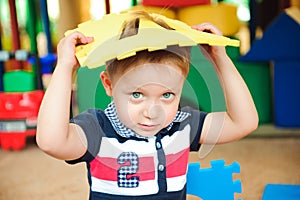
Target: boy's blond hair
[173,55]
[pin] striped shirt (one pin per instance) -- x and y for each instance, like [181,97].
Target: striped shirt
[124,165]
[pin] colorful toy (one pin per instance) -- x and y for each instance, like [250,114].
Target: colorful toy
[18,108]
[281,191]
[215,182]
[280,44]
[107,45]
[23,90]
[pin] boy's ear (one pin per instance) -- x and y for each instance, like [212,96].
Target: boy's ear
[106,82]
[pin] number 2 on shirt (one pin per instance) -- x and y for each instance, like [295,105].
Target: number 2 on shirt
[125,170]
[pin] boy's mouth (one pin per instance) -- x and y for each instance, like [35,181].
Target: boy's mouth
[148,127]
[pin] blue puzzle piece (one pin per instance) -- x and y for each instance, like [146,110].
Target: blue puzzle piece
[281,192]
[215,182]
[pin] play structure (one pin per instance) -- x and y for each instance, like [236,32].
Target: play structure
[256,73]
[19,103]
[22,87]
[279,45]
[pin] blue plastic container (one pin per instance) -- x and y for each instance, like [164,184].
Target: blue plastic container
[287,93]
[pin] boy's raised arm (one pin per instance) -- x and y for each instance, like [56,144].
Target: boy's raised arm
[55,135]
[241,117]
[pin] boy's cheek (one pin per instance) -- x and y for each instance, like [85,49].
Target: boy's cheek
[125,112]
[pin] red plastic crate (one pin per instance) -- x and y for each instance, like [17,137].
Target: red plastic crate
[18,118]
[174,3]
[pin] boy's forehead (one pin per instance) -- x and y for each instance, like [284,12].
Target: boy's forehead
[155,68]
[165,75]
[107,44]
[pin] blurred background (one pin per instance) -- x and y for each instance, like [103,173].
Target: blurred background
[268,59]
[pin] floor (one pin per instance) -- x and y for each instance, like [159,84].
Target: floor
[30,174]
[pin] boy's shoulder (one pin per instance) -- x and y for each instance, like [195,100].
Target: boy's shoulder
[192,111]
[92,117]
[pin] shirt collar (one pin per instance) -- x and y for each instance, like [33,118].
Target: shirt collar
[126,132]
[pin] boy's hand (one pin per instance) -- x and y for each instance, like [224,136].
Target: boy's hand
[213,51]
[66,49]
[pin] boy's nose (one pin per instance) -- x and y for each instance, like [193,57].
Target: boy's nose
[153,111]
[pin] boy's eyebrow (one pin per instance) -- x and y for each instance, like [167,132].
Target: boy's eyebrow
[173,89]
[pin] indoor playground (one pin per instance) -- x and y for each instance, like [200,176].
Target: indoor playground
[262,39]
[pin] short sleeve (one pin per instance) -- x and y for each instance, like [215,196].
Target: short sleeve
[90,122]
[196,121]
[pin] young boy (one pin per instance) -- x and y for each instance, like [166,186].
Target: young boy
[138,147]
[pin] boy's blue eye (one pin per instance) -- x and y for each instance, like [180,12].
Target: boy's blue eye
[136,95]
[167,95]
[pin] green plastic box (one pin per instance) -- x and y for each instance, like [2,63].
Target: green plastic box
[90,91]
[258,79]
[19,81]
[256,75]
[202,88]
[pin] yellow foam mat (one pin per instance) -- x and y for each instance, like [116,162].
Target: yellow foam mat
[107,44]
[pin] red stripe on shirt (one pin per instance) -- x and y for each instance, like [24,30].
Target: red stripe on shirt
[177,163]
[107,168]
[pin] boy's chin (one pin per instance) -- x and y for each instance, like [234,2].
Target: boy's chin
[147,134]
